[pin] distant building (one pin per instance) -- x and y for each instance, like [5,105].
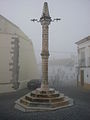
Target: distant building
[83,48]
[17,59]
[62,70]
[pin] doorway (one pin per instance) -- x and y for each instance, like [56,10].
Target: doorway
[82,77]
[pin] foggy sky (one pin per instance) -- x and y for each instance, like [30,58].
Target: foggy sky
[74,24]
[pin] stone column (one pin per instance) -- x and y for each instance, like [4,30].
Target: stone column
[45,56]
[45,21]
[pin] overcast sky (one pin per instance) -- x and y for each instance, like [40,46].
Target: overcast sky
[74,24]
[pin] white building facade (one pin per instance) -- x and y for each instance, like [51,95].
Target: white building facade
[83,48]
[17,59]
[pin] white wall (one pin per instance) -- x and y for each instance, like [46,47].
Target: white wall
[5,57]
[86,46]
[27,61]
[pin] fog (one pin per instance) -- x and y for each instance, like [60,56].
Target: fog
[74,24]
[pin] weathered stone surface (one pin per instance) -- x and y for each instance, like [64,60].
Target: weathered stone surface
[43,98]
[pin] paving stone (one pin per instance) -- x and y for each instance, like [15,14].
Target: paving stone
[80,110]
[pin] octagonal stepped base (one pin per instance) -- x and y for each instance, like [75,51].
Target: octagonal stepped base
[39,100]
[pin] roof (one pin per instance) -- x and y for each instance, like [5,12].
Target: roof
[83,40]
[16,29]
[9,21]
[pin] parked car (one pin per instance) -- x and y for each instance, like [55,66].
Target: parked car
[33,84]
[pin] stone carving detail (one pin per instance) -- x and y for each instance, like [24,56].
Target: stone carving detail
[14,65]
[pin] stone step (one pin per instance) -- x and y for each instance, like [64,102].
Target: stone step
[61,103]
[41,104]
[41,91]
[34,94]
[27,106]
[26,103]
[41,99]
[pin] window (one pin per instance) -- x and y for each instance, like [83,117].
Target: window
[82,57]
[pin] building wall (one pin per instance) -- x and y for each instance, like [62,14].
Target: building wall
[26,58]
[61,73]
[86,47]
[5,47]
[27,62]
[86,67]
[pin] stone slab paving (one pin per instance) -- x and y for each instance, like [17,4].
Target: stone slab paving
[80,111]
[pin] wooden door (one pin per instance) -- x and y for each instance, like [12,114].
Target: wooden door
[82,77]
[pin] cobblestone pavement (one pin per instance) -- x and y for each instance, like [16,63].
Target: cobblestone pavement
[79,111]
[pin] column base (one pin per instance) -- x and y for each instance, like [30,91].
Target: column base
[40,100]
[44,87]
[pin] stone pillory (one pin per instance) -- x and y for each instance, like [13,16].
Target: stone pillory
[43,98]
[45,21]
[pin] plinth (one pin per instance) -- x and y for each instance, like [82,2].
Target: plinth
[39,100]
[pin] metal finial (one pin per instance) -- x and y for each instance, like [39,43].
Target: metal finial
[52,20]
[56,19]
[34,20]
